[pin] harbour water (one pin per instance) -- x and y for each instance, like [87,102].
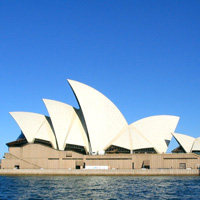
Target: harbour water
[99,187]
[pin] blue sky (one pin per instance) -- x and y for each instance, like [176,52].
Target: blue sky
[143,55]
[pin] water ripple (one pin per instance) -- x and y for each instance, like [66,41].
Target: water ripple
[99,187]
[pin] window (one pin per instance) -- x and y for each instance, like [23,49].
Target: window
[182,165]
[17,167]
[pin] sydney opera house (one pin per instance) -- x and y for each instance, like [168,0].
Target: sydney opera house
[96,136]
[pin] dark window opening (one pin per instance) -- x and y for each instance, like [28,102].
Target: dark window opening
[21,136]
[133,165]
[17,167]
[196,152]
[75,148]
[146,150]
[44,142]
[179,149]
[146,164]
[116,150]
[182,165]
[17,143]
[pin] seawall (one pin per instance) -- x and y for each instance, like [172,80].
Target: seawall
[110,172]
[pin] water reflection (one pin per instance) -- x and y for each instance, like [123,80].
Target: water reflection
[99,187]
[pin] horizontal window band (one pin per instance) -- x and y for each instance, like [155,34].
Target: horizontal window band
[72,158]
[178,158]
[108,158]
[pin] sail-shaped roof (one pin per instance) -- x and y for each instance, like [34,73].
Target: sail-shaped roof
[185,141]
[103,119]
[97,125]
[35,125]
[66,123]
[124,140]
[132,139]
[196,145]
[139,140]
[157,130]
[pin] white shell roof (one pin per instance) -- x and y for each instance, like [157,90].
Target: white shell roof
[124,140]
[132,139]
[66,124]
[34,126]
[185,141]
[98,124]
[196,145]
[157,130]
[103,119]
[139,141]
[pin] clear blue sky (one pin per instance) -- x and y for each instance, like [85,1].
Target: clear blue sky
[143,55]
